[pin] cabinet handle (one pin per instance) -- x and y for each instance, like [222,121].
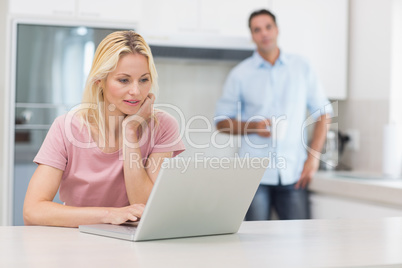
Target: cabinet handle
[24,117]
[63,12]
[89,14]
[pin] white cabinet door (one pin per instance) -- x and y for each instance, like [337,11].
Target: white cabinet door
[334,207]
[42,7]
[317,30]
[199,23]
[116,10]
[223,17]
[160,17]
[233,15]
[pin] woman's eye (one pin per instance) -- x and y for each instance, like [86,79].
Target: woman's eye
[124,81]
[144,80]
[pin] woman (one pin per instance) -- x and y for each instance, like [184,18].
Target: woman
[106,155]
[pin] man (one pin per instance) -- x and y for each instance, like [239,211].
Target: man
[265,99]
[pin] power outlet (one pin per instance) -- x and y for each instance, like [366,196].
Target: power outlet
[354,143]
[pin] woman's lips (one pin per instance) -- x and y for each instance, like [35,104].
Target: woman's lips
[132,102]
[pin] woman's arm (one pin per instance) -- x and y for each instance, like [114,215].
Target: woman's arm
[39,209]
[140,179]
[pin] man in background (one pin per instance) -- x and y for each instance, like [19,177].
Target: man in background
[266,98]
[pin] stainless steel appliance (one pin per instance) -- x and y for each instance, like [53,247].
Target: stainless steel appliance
[51,65]
[333,150]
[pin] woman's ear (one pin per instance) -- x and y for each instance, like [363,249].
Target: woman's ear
[100,83]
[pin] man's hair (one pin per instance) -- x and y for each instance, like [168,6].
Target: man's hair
[261,12]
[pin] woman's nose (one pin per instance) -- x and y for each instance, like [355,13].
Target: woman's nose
[134,89]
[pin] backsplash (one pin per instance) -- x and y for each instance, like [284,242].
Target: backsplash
[368,117]
[194,86]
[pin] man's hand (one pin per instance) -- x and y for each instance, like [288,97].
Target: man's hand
[310,168]
[261,128]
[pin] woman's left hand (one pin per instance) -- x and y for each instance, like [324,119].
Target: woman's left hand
[132,122]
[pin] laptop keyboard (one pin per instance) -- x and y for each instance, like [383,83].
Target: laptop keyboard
[127,228]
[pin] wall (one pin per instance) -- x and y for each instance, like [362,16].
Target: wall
[396,64]
[3,118]
[369,89]
[193,87]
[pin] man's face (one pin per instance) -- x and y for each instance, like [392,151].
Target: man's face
[264,33]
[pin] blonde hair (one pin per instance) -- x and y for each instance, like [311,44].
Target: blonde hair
[107,55]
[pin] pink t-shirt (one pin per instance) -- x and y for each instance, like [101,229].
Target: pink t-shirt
[92,177]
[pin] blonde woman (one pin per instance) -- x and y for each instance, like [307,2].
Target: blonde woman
[105,155]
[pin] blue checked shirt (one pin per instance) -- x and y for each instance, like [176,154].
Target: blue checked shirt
[283,93]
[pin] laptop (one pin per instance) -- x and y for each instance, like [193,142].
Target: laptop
[193,198]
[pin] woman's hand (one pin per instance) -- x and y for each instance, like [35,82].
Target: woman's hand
[132,122]
[121,215]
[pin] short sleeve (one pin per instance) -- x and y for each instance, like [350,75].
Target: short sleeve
[168,138]
[228,105]
[317,102]
[53,151]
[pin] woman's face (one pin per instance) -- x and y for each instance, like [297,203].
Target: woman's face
[127,86]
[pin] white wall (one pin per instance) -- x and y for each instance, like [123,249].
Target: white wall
[3,111]
[396,64]
[194,86]
[370,49]
[371,53]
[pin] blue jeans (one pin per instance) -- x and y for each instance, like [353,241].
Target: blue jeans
[288,202]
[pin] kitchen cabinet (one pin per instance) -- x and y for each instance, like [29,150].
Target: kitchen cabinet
[227,17]
[199,23]
[314,29]
[93,10]
[42,7]
[317,30]
[118,10]
[325,206]
[354,195]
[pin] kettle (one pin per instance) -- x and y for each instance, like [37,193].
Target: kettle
[333,150]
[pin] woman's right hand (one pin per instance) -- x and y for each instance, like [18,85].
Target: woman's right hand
[132,122]
[121,215]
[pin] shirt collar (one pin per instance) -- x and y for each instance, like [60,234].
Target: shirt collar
[260,61]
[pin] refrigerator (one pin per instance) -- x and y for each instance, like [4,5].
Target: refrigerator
[51,63]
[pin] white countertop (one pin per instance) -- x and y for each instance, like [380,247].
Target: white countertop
[302,243]
[364,186]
